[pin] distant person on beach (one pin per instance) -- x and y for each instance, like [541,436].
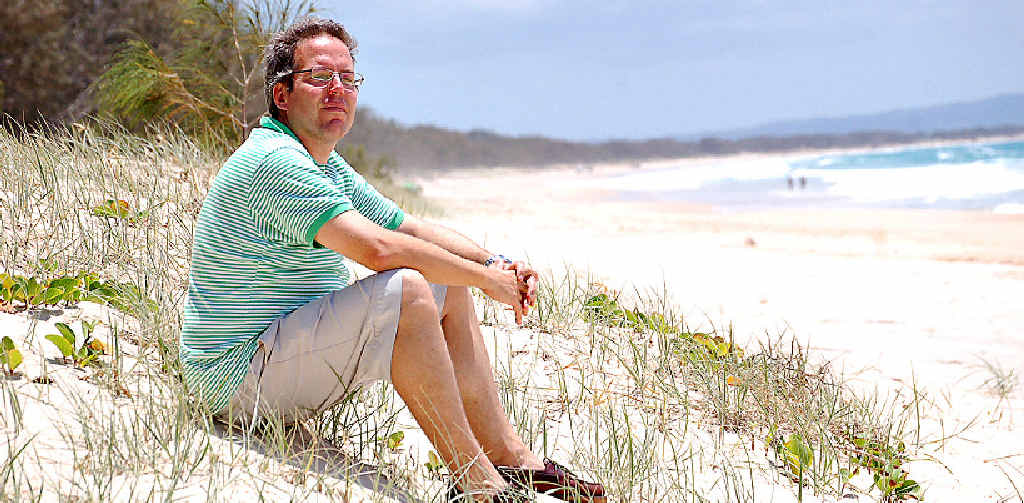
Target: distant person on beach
[272,328]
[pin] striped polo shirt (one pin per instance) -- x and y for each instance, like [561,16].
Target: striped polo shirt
[254,258]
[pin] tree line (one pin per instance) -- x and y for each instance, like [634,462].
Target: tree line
[429,147]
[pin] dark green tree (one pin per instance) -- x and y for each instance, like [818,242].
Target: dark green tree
[52,49]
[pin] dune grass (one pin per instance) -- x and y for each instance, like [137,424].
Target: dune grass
[619,385]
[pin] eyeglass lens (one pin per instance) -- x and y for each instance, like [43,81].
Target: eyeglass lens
[323,76]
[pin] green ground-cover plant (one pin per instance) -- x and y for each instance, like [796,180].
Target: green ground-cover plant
[884,460]
[604,309]
[113,208]
[433,463]
[83,351]
[757,391]
[10,357]
[795,454]
[394,440]
[119,209]
[34,292]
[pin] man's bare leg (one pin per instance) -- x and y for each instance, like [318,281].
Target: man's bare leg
[475,377]
[422,373]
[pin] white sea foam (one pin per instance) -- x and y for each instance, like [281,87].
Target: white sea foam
[927,183]
[694,177]
[1009,209]
[832,179]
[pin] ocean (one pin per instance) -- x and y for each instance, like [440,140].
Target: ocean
[970,176]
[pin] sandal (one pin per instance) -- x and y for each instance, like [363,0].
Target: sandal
[555,480]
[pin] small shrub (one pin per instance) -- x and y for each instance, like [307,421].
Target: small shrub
[34,292]
[119,209]
[434,463]
[884,461]
[10,357]
[87,353]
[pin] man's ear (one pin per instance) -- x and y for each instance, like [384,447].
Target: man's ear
[281,96]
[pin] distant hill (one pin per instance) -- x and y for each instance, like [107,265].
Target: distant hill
[1003,110]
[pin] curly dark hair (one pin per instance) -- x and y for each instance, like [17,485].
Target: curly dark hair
[279,56]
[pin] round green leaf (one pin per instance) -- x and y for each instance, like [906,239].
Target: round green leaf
[395,439]
[13,359]
[53,295]
[66,331]
[65,347]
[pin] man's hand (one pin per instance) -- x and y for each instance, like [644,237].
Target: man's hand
[506,288]
[527,284]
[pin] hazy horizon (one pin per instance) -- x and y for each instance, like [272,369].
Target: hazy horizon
[654,69]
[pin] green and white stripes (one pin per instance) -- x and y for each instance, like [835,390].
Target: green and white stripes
[254,258]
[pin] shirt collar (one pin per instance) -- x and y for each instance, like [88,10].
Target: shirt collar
[276,125]
[280,127]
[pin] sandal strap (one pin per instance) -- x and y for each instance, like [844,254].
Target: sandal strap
[559,466]
[555,480]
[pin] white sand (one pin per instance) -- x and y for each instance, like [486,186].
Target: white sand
[888,296]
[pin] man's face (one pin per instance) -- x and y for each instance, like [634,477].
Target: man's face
[321,115]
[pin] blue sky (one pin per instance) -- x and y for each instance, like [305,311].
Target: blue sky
[647,68]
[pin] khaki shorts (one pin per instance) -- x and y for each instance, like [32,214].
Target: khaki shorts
[314,356]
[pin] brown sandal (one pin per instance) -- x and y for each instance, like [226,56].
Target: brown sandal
[555,480]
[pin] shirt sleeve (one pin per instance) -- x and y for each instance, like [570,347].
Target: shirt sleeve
[368,201]
[291,198]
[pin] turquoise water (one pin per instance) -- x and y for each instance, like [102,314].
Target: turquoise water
[969,176]
[920,157]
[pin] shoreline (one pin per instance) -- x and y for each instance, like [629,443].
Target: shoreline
[758,182]
[608,168]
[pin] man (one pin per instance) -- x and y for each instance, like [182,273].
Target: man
[271,326]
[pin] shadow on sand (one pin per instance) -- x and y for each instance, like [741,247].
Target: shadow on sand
[302,450]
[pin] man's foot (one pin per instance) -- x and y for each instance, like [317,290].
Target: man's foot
[555,480]
[511,494]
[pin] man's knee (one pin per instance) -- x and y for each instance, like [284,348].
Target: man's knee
[416,293]
[457,299]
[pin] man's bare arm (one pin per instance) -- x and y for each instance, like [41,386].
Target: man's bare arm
[464,247]
[356,237]
[445,238]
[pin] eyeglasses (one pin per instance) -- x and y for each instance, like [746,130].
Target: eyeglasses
[321,77]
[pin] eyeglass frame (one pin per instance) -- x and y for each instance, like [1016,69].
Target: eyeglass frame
[359,78]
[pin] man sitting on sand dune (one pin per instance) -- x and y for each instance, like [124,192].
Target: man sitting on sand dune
[272,327]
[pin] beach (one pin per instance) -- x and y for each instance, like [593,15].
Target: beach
[897,301]
[909,316]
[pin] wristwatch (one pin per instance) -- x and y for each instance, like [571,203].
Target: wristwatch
[494,258]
